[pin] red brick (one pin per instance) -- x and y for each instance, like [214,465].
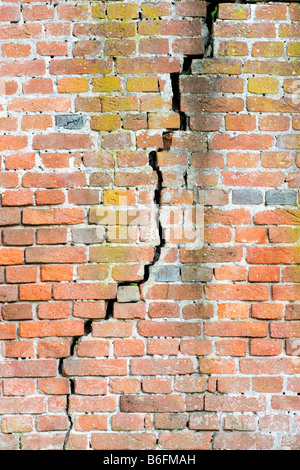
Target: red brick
[51,328]
[271,12]
[52,423]
[236,328]
[129,310]
[173,329]
[56,255]
[78,66]
[55,349]
[156,385]
[193,311]
[227,403]
[123,441]
[56,273]
[7,331]
[243,441]
[205,422]
[228,324]
[8,293]
[54,386]
[90,423]
[285,403]
[116,329]
[233,384]
[200,347]
[129,347]
[265,347]
[272,255]
[267,365]
[44,48]
[168,347]
[159,403]
[18,197]
[190,441]
[54,310]
[126,386]
[43,441]
[23,161]
[237,292]
[172,366]
[264,274]
[50,236]
[93,348]
[231,347]
[21,274]
[10,256]
[103,367]
[38,85]
[19,424]
[267,384]
[86,386]
[17,311]
[269,179]
[243,160]
[52,216]
[268,311]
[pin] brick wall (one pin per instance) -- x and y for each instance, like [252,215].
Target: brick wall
[149,225]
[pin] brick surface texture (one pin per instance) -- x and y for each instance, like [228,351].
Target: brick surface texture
[150,155]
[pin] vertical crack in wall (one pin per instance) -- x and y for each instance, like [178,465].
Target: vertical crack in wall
[61,373]
[109,311]
[153,162]
[176,101]
[73,344]
[70,419]
[167,136]
[211,16]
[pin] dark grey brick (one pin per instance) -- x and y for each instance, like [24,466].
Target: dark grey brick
[70,121]
[167,274]
[276,197]
[247,196]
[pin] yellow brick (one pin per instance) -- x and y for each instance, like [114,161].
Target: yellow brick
[98,11]
[142,84]
[233,48]
[156,11]
[72,85]
[106,122]
[123,11]
[293,49]
[263,85]
[234,12]
[218,66]
[119,197]
[267,49]
[120,103]
[108,83]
